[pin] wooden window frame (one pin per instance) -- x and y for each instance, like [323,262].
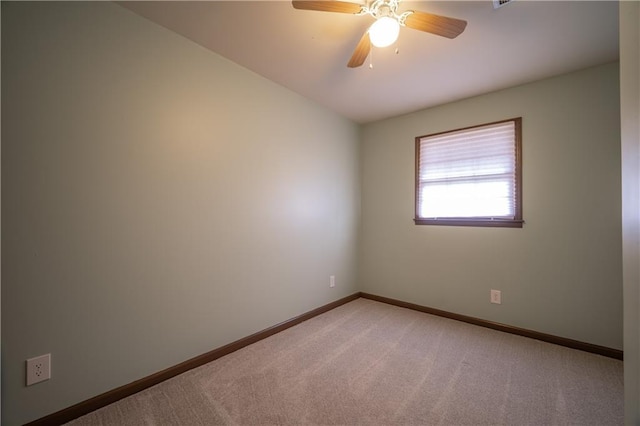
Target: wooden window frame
[515,222]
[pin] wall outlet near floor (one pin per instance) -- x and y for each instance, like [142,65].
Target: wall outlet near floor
[38,369]
[332,281]
[496,297]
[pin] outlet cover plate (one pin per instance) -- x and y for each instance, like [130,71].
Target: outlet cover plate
[38,369]
[496,297]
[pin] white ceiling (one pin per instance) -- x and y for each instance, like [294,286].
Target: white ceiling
[307,51]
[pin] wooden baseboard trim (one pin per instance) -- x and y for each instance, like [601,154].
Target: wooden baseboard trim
[85,407]
[549,338]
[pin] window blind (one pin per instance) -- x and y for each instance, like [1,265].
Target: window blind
[468,173]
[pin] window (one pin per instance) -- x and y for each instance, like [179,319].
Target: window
[471,176]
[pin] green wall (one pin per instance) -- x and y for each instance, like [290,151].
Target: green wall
[159,201]
[561,273]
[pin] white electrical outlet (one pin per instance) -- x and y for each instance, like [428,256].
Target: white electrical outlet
[496,297]
[38,369]
[332,281]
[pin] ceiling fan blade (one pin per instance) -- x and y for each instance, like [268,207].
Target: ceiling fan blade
[361,51]
[436,24]
[327,6]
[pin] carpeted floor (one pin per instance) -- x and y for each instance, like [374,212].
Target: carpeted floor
[369,363]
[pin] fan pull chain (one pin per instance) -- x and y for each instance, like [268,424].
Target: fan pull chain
[371,58]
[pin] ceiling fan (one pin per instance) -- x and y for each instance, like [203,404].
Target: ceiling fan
[384,31]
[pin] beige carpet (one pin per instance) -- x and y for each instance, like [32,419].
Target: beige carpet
[371,363]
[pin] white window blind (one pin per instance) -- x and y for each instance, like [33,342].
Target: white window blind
[470,173]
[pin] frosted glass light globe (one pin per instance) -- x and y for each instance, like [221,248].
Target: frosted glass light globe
[384,32]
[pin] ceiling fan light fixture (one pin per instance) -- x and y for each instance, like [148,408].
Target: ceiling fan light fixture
[386,28]
[384,32]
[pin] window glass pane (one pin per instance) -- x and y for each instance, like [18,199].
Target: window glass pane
[487,199]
